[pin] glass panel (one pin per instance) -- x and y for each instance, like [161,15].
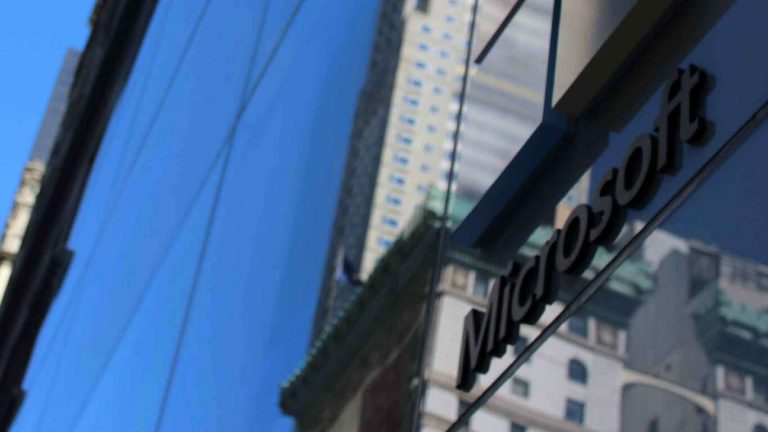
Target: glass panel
[731,99]
[112,354]
[504,101]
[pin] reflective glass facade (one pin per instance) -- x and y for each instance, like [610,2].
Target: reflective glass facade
[549,216]
[230,134]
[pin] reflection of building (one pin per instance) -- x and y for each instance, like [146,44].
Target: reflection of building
[360,371]
[505,97]
[402,138]
[704,336]
[572,382]
[32,177]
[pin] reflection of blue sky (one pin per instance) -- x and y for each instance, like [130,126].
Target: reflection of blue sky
[730,210]
[736,200]
[251,317]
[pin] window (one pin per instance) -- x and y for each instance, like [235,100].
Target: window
[434,109]
[422,189]
[385,243]
[431,128]
[577,372]
[426,29]
[520,387]
[396,180]
[390,221]
[404,139]
[423,47]
[444,54]
[420,64]
[422,6]
[400,159]
[520,345]
[447,36]
[410,100]
[734,382]
[441,71]
[607,336]
[393,200]
[761,390]
[450,19]
[414,82]
[480,288]
[577,325]
[459,278]
[408,120]
[438,90]
[429,148]
[574,411]
[426,168]
[518,428]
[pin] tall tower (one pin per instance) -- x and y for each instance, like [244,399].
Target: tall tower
[32,177]
[402,137]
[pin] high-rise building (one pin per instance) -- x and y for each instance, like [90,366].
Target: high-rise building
[32,177]
[405,127]
[402,139]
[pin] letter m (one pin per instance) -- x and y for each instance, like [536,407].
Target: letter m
[473,357]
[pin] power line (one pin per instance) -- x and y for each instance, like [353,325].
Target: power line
[142,90]
[212,217]
[74,299]
[434,278]
[159,264]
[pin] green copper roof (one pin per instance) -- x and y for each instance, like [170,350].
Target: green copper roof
[740,313]
[458,208]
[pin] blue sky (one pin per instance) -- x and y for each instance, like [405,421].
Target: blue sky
[34,37]
[107,347]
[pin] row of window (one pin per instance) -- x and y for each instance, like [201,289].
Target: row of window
[607,335]
[439,70]
[427,29]
[442,53]
[574,412]
[414,102]
[414,82]
[411,121]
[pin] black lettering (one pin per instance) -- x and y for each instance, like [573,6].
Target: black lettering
[498,319]
[522,299]
[522,296]
[574,251]
[509,330]
[609,215]
[682,111]
[692,122]
[636,178]
[546,292]
[471,359]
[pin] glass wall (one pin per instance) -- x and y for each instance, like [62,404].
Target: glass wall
[664,327]
[196,246]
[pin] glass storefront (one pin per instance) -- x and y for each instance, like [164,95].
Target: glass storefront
[665,327]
